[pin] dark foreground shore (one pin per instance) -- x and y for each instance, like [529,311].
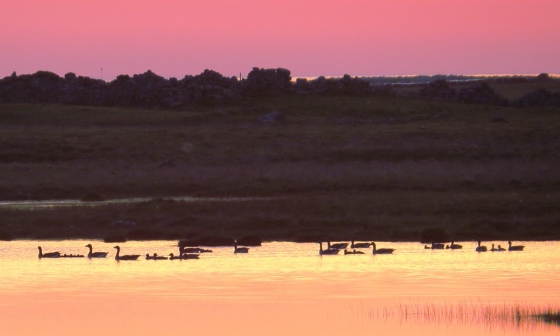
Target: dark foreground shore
[363,167]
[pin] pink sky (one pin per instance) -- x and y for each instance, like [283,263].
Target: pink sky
[174,38]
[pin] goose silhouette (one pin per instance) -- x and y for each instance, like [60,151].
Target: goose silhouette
[239,249]
[515,247]
[352,252]
[156,257]
[375,250]
[48,254]
[92,254]
[329,251]
[481,248]
[454,246]
[184,256]
[125,257]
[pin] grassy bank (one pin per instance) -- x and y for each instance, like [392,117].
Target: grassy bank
[380,168]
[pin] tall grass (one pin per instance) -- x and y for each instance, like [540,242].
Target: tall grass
[473,312]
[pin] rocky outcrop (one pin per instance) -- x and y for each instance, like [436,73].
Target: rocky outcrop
[346,85]
[481,94]
[262,81]
[142,90]
[540,97]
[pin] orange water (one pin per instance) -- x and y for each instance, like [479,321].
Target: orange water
[275,289]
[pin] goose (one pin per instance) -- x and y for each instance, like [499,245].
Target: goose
[172,257]
[240,249]
[184,256]
[481,248]
[454,246]
[353,252]
[359,245]
[125,257]
[337,245]
[426,247]
[500,248]
[149,257]
[48,255]
[329,251]
[72,256]
[515,247]
[493,249]
[381,250]
[156,257]
[95,254]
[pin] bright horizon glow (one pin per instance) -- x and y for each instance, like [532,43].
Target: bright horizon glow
[309,37]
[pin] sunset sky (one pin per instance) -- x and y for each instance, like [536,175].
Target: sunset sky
[174,38]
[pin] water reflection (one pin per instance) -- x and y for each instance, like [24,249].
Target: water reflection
[51,204]
[273,287]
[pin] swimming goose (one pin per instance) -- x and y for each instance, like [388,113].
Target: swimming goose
[381,250]
[149,257]
[329,251]
[337,245]
[352,252]
[426,247]
[515,247]
[500,248]
[156,257]
[240,249]
[48,255]
[95,254]
[454,246]
[184,256]
[480,248]
[72,256]
[359,245]
[172,257]
[125,257]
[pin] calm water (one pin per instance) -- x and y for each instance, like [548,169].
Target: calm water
[275,289]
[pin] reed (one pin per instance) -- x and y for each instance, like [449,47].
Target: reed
[468,312]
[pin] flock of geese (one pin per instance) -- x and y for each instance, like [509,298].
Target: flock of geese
[184,253]
[335,248]
[332,249]
[479,248]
